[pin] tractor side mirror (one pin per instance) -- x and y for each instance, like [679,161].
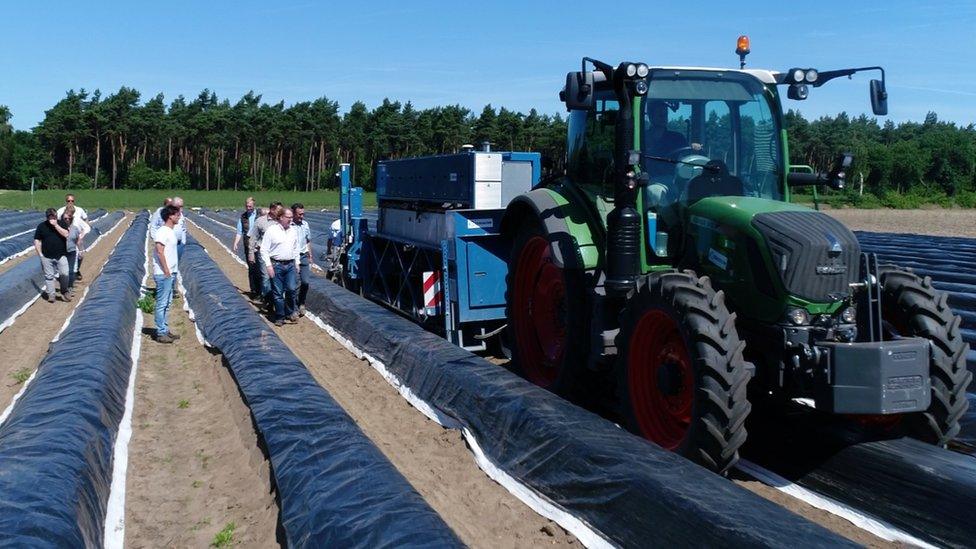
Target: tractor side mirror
[578,94]
[879,98]
[837,177]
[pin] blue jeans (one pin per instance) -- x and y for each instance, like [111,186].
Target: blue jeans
[304,274]
[179,250]
[283,287]
[265,279]
[164,296]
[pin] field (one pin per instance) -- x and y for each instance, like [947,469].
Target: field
[207,465]
[135,200]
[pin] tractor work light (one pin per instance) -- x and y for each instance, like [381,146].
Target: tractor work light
[849,315]
[812,75]
[798,75]
[642,70]
[631,70]
[798,316]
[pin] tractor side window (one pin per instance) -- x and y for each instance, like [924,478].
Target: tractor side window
[591,136]
[759,151]
[717,144]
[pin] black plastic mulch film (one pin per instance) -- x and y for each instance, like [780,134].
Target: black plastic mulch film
[335,487]
[22,282]
[630,491]
[17,244]
[56,447]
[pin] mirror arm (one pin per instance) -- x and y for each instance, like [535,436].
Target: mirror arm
[827,76]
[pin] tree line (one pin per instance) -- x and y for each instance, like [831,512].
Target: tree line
[88,140]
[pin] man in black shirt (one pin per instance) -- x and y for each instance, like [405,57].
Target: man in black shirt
[50,242]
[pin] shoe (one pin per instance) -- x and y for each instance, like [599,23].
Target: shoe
[165,338]
[50,298]
[77,276]
[66,298]
[280,322]
[292,318]
[301,310]
[174,336]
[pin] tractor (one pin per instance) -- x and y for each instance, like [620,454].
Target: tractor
[670,259]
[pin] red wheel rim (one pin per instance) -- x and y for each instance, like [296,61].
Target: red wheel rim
[661,380]
[540,312]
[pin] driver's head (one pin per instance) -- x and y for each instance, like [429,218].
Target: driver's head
[658,112]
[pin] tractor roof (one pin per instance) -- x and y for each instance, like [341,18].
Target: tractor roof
[764,76]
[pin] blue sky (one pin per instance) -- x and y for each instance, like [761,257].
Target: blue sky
[506,53]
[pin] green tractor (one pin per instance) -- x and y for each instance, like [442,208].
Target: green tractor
[670,257]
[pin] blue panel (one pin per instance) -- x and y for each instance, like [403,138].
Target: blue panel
[486,272]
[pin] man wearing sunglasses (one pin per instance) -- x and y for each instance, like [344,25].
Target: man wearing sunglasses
[81,221]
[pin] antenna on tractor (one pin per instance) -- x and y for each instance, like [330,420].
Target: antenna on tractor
[742,50]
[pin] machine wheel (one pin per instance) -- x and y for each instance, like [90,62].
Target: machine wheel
[682,378]
[547,310]
[912,307]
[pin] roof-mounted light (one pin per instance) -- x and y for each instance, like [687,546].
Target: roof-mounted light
[742,49]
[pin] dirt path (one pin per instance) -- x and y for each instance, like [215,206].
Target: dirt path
[195,465]
[32,332]
[434,460]
[939,222]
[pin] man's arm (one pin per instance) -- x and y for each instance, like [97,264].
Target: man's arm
[237,235]
[37,247]
[266,254]
[62,232]
[161,257]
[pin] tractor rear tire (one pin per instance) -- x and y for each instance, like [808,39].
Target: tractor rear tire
[547,307]
[913,308]
[681,376]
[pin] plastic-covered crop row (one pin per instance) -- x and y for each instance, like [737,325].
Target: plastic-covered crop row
[13,246]
[22,284]
[56,446]
[335,487]
[599,482]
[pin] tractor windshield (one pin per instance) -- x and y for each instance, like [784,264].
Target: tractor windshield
[709,133]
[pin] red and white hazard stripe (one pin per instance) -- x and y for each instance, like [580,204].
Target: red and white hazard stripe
[433,294]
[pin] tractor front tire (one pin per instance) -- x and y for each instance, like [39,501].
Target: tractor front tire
[547,307]
[681,376]
[913,308]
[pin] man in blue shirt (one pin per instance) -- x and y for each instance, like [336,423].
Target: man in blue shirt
[305,257]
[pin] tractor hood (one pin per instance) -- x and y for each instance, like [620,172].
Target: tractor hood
[802,253]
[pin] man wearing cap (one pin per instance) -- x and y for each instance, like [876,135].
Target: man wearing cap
[80,219]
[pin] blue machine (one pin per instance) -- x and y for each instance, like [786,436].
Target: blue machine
[436,254]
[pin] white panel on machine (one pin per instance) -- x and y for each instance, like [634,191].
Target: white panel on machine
[487,181]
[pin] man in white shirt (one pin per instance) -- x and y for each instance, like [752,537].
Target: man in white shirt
[156,220]
[280,252]
[305,261]
[334,246]
[165,269]
[180,228]
[81,221]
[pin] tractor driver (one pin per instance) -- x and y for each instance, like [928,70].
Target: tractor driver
[661,142]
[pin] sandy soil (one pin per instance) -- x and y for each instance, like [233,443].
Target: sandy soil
[939,222]
[195,464]
[434,460]
[32,332]
[823,518]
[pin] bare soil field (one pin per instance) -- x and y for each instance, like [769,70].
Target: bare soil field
[436,461]
[28,339]
[937,222]
[195,463]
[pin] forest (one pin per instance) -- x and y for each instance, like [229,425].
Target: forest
[90,140]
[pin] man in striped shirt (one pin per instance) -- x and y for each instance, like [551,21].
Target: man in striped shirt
[305,261]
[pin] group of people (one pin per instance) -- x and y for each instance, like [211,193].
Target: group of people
[278,249]
[59,243]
